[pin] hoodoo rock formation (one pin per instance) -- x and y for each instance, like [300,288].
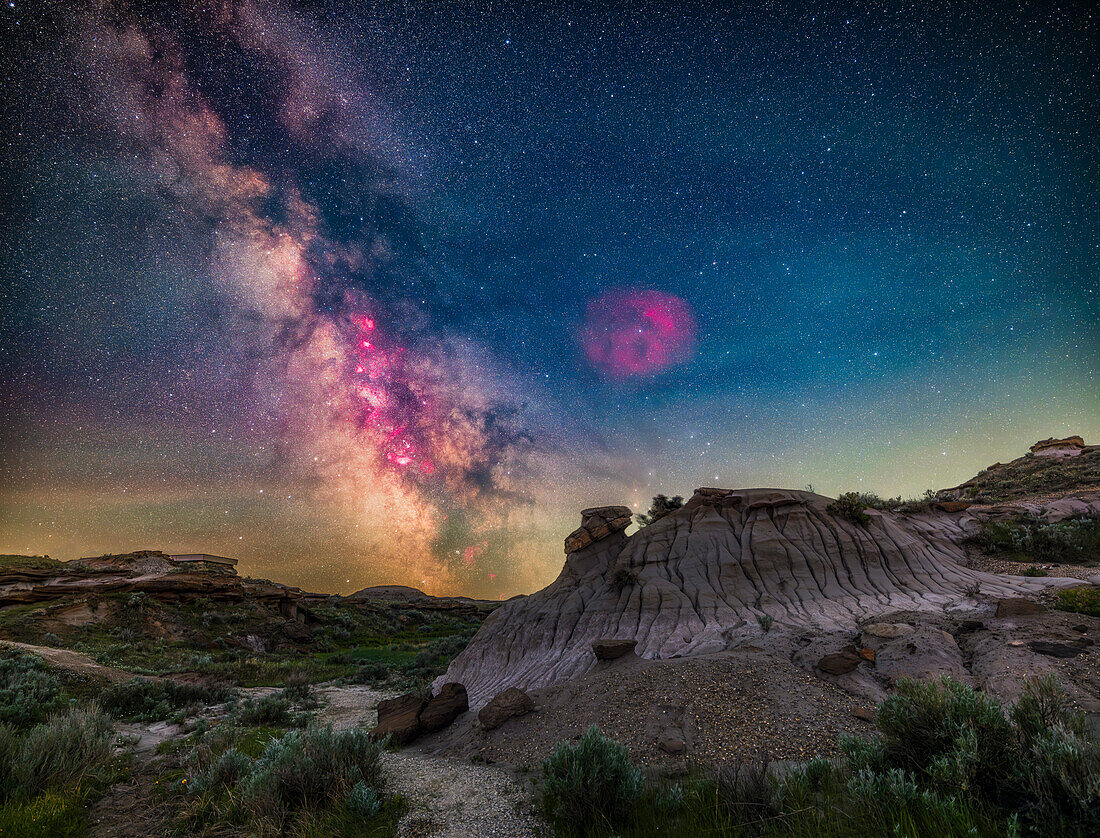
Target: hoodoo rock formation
[734,569]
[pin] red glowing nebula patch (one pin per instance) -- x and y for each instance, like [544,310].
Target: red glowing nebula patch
[630,334]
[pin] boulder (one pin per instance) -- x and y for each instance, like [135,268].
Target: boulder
[444,708]
[953,506]
[512,702]
[841,663]
[609,649]
[597,524]
[1018,607]
[399,718]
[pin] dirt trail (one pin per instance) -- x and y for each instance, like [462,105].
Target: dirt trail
[70,661]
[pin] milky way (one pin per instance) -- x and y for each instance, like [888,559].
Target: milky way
[385,292]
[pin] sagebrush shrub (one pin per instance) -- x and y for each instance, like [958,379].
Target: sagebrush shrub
[853,506]
[29,692]
[588,784]
[57,753]
[153,699]
[311,768]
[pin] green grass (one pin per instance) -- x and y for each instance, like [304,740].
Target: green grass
[1081,601]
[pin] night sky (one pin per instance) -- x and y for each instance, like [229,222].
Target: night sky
[365,293]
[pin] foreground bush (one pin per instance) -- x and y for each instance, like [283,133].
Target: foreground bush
[1038,762]
[298,779]
[949,761]
[151,700]
[589,784]
[29,692]
[49,772]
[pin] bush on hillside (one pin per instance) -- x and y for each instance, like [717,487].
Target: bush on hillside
[659,508]
[853,506]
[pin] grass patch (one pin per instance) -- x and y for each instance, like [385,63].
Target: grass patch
[1080,600]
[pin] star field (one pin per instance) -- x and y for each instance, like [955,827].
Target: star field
[371,292]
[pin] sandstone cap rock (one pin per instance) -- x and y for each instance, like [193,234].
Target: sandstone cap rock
[597,524]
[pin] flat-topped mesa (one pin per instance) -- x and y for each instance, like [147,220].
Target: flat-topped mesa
[706,578]
[597,523]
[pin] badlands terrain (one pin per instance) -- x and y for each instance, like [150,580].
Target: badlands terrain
[744,626]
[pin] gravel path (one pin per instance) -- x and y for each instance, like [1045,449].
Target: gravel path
[452,799]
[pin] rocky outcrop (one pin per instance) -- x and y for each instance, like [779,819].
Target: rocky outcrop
[147,572]
[1071,446]
[504,706]
[609,650]
[710,576]
[597,524]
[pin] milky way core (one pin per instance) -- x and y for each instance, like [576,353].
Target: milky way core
[637,333]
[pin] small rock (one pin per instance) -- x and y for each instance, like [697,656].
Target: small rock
[888,631]
[504,706]
[867,654]
[1018,607]
[671,741]
[865,713]
[444,708]
[609,649]
[1015,643]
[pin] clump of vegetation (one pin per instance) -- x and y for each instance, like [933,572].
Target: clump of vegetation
[592,782]
[50,771]
[853,506]
[29,692]
[948,761]
[1032,570]
[1080,601]
[150,700]
[315,781]
[765,621]
[660,507]
[1071,541]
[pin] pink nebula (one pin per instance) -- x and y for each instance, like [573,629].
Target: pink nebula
[637,333]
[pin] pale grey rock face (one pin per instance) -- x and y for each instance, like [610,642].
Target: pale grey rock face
[705,578]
